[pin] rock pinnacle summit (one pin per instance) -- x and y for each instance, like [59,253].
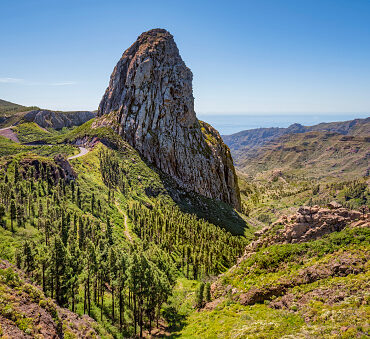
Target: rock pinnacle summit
[150,103]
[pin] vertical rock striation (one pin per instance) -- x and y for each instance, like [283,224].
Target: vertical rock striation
[149,102]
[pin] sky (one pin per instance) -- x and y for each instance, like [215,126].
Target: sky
[247,57]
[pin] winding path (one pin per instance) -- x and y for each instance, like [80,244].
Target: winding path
[8,133]
[83,151]
[126,230]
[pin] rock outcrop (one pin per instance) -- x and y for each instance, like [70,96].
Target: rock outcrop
[59,169]
[149,102]
[309,223]
[58,120]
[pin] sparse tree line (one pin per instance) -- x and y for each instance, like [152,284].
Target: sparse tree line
[197,247]
[77,260]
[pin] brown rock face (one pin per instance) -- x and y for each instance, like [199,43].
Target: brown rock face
[149,102]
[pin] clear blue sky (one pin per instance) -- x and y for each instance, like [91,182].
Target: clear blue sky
[246,56]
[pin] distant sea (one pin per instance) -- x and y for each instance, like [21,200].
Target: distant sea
[233,123]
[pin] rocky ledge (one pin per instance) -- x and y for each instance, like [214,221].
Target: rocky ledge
[149,102]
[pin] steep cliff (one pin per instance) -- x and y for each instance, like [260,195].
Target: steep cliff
[149,102]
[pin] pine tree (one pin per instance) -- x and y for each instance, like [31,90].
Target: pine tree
[2,215]
[92,203]
[81,233]
[199,295]
[207,292]
[28,257]
[109,232]
[16,173]
[13,214]
[113,275]
[59,261]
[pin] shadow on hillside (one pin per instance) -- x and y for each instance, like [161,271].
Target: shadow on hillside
[212,210]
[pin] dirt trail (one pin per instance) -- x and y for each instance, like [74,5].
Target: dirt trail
[8,133]
[83,151]
[126,230]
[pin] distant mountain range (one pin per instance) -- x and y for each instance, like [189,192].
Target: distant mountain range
[246,140]
[326,149]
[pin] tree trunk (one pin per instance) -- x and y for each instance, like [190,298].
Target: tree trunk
[120,309]
[134,302]
[102,301]
[95,283]
[112,304]
[85,299]
[73,298]
[141,319]
[88,294]
[43,277]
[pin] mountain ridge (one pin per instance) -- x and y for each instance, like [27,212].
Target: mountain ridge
[249,140]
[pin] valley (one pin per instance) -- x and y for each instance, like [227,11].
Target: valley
[132,221]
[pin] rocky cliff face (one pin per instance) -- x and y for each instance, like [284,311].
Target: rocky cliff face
[58,120]
[149,102]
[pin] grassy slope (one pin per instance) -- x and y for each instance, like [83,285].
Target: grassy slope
[7,108]
[8,148]
[31,132]
[334,305]
[314,167]
[314,154]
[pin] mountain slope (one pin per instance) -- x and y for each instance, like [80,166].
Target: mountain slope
[317,288]
[26,312]
[311,154]
[13,114]
[8,108]
[90,229]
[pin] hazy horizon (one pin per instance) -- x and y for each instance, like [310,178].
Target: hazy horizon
[233,123]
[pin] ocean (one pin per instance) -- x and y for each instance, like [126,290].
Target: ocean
[233,123]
